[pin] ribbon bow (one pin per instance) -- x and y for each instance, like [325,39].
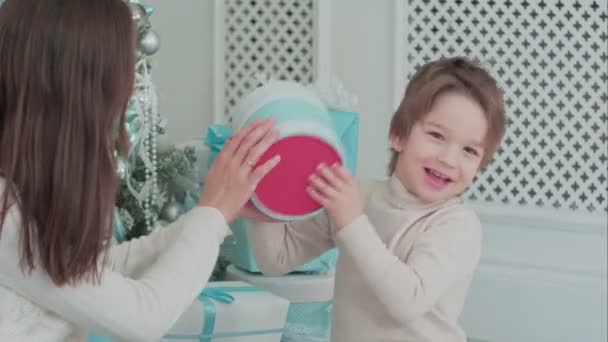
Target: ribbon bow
[220,294]
[216,138]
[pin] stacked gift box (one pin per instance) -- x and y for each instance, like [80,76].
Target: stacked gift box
[253,307]
[310,296]
[309,288]
[232,311]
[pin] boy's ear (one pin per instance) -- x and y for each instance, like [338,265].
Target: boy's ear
[396,143]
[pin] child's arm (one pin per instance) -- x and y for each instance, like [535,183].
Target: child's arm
[445,253]
[280,247]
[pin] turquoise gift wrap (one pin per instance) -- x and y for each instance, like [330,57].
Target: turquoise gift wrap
[232,311]
[308,322]
[95,337]
[237,248]
[311,301]
[225,294]
[290,113]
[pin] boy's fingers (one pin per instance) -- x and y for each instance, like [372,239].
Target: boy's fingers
[329,175]
[315,195]
[322,187]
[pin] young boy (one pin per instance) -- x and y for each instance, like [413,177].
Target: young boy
[408,245]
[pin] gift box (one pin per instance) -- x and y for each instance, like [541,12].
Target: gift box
[310,297]
[306,139]
[232,311]
[237,248]
[345,123]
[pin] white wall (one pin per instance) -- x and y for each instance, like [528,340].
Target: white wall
[537,282]
[363,61]
[183,68]
[362,49]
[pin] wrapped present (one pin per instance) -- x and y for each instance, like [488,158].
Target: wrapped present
[345,123]
[96,337]
[310,297]
[237,248]
[232,311]
[307,138]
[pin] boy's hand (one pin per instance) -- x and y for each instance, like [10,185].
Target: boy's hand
[336,190]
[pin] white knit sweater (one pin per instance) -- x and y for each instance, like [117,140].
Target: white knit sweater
[145,286]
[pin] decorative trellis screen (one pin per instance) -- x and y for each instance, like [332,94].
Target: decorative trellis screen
[267,38]
[551,59]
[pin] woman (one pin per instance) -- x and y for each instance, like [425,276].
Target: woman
[66,74]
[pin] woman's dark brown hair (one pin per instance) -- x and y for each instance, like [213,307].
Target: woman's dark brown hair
[66,75]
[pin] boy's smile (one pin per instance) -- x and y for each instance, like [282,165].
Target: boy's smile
[444,150]
[436,179]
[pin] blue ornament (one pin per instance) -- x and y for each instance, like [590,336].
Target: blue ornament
[149,9]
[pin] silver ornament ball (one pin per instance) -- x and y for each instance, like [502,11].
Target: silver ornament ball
[149,43]
[171,211]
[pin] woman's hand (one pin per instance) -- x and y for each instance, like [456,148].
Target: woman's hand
[234,174]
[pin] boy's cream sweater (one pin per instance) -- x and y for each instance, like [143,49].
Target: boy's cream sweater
[404,267]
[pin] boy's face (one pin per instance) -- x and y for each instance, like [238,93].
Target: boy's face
[444,149]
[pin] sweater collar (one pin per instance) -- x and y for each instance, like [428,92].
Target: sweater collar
[398,196]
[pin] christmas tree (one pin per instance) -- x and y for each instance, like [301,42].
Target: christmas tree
[156,179]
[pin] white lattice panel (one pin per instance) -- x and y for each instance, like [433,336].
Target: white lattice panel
[551,59]
[271,38]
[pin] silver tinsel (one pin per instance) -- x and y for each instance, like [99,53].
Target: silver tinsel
[140,16]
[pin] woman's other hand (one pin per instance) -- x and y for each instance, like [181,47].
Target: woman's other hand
[234,174]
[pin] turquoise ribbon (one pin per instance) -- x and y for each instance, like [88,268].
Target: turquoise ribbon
[215,140]
[118,227]
[220,294]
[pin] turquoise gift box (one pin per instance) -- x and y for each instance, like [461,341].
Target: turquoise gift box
[237,248]
[228,311]
[232,311]
[310,299]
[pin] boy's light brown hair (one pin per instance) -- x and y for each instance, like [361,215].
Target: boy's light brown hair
[454,74]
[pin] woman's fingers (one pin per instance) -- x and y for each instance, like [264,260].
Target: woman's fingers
[250,139]
[258,149]
[259,172]
[234,141]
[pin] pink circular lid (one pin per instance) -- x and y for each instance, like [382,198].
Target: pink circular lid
[282,193]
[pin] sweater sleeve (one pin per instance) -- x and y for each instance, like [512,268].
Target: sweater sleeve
[280,247]
[133,257]
[140,308]
[445,252]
